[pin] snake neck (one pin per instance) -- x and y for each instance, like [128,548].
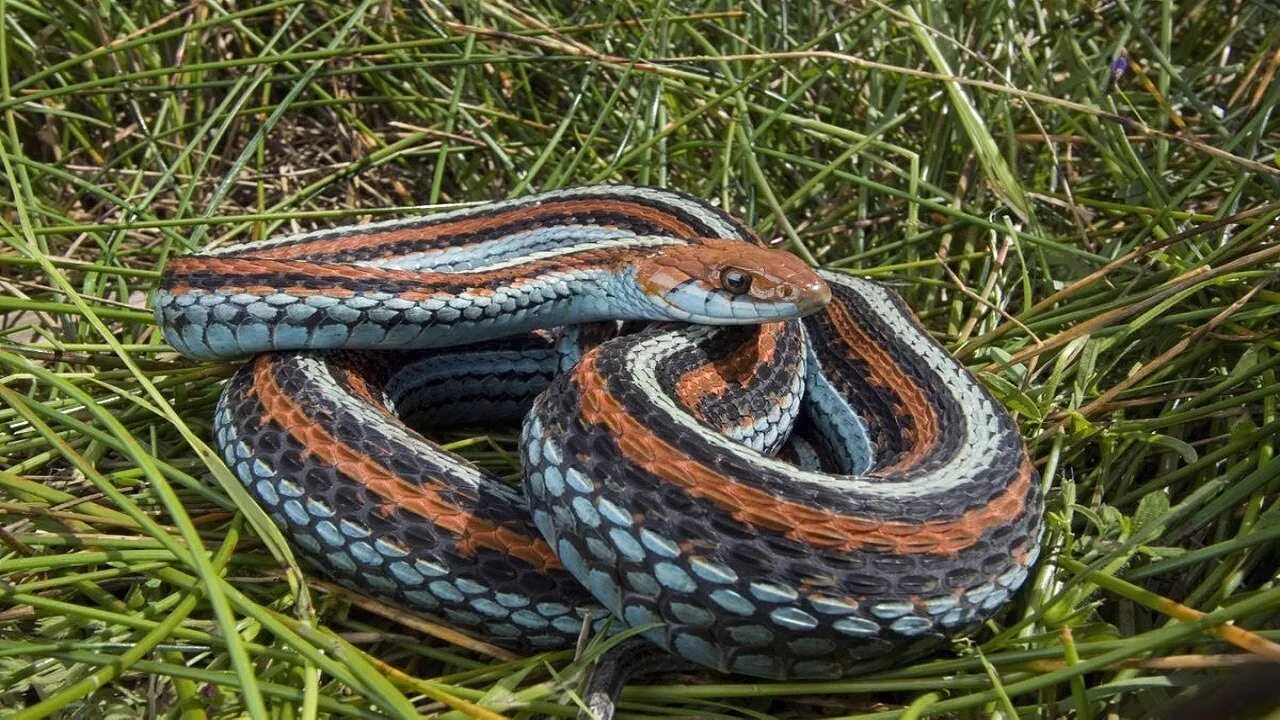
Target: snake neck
[316,306]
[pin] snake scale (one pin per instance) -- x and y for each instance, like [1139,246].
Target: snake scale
[792,481]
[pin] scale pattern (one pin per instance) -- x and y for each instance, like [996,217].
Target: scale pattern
[651,491]
[573,256]
[746,564]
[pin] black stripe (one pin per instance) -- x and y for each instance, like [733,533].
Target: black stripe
[747,398]
[397,457]
[700,228]
[361,283]
[626,223]
[879,406]
[753,552]
[352,501]
[973,494]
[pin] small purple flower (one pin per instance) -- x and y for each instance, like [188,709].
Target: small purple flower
[1119,67]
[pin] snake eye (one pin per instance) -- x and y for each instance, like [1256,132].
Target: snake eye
[735,281]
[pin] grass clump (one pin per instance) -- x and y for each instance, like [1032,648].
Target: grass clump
[1079,198]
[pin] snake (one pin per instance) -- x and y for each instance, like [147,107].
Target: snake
[775,471]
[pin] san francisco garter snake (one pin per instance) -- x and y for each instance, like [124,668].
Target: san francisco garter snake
[909,512]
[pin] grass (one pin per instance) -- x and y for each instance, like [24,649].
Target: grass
[1079,198]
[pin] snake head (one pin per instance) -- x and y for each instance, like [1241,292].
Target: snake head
[729,282]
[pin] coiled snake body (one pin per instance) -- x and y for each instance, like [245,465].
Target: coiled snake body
[909,511]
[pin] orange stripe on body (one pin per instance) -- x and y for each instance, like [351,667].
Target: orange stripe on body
[399,494]
[738,367]
[360,386]
[255,276]
[885,372]
[531,214]
[754,506]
